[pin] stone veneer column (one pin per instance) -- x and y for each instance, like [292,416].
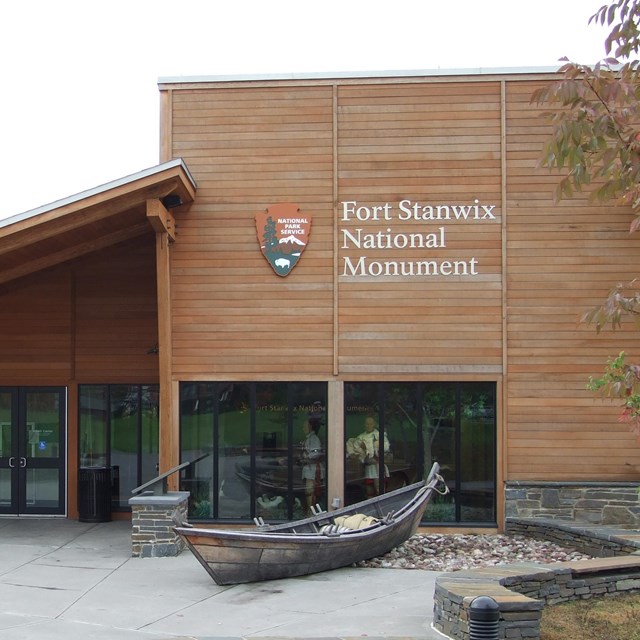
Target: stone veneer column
[152,520]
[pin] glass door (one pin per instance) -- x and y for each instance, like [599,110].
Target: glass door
[8,451]
[32,450]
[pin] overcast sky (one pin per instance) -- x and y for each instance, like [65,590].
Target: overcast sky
[79,102]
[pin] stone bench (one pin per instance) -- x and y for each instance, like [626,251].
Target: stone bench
[522,589]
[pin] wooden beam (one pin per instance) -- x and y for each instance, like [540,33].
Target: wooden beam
[335,443]
[161,219]
[17,238]
[75,251]
[77,216]
[169,438]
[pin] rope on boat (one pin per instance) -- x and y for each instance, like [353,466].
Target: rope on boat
[445,489]
[334,529]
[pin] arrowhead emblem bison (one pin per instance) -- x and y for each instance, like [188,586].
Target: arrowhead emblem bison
[283,232]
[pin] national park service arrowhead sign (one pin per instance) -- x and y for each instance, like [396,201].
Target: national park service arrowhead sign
[283,233]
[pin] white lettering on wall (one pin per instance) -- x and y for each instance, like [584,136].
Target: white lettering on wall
[358,237]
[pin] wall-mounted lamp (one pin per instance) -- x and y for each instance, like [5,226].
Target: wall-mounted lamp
[171,201]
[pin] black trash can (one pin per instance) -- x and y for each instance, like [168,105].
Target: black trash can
[94,494]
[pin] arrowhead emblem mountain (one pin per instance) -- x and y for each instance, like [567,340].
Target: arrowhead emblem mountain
[283,233]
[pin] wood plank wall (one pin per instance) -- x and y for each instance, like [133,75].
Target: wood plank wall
[233,316]
[432,141]
[116,319]
[37,320]
[92,320]
[432,145]
[562,259]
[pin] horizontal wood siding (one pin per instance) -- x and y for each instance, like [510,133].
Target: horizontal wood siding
[92,320]
[433,144]
[562,259]
[249,149]
[116,321]
[438,142]
[37,321]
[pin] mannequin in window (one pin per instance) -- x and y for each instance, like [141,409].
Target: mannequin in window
[312,463]
[366,446]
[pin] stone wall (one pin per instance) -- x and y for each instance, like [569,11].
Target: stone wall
[614,503]
[595,540]
[152,521]
[522,590]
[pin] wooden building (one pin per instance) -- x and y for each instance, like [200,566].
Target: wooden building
[313,254]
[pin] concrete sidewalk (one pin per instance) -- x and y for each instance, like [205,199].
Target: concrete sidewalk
[62,579]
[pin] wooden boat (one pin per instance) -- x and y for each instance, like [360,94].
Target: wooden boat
[314,544]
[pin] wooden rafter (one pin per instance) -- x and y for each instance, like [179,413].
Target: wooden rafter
[72,252]
[161,219]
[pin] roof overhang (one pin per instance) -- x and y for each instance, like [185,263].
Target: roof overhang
[414,74]
[91,220]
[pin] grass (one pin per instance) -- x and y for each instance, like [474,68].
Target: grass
[616,618]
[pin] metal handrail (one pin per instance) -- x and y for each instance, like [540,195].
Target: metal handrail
[149,488]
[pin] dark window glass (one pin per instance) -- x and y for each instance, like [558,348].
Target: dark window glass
[440,429]
[196,438]
[258,448]
[94,424]
[125,434]
[149,436]
[476,477]
[119,428]
[395,431]
[232,463]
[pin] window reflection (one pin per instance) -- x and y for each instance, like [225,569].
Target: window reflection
[252,452]
[93,426]
[258,449]
[383,439]
[124,440]
[119,428]
[421,423]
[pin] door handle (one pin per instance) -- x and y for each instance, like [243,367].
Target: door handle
[11,462]
[23,463]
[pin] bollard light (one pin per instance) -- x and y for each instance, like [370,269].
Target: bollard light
[484,619]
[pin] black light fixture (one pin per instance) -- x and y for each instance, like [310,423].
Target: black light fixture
[171,201]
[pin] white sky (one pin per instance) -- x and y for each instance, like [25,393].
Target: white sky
[79,102]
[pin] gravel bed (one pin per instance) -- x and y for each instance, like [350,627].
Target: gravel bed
[441,552]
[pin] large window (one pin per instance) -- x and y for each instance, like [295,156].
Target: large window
[119,429]
[258,449]
[394,431]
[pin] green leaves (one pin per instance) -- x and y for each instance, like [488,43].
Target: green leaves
[624,37]
[595,129]
[595,140]
[622,381]
[617,304]
[595,143]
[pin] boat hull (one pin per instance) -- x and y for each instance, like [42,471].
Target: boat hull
[300,548]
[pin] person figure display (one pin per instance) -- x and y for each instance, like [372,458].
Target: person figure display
[312,463]
[366,447]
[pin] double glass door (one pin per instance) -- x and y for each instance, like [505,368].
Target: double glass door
[32,450]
